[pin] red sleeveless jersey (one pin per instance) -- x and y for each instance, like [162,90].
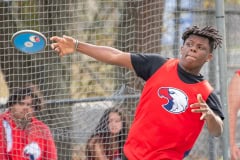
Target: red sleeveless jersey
[164,126]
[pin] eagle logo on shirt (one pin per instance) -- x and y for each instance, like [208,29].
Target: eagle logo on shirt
[177,101]
[32,151]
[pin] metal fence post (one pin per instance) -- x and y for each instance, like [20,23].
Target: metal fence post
[220,20]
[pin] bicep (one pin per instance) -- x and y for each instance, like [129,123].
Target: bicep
[123,59]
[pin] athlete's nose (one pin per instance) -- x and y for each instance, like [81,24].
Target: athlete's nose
[193,49]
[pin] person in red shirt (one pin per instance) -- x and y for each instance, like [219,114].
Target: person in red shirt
[234,107]
[23,136]
[4,93]
[106,143]
[176,100]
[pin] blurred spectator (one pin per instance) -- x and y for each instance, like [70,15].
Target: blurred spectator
[4,91]
[22,135]
[106,143]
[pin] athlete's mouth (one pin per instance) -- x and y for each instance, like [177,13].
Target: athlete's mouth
[190,56]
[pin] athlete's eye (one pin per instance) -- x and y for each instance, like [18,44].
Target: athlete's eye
[201,48]
[189,44]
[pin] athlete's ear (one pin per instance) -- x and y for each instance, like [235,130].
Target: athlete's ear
[209,58]
[181,48]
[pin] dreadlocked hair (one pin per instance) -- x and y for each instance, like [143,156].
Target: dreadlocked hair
[215,39]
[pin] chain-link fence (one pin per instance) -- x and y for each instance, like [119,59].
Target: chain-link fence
[77,88]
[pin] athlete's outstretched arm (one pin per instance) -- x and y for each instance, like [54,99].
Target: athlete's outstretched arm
[67,45]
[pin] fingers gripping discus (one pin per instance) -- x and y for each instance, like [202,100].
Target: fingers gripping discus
[29,41]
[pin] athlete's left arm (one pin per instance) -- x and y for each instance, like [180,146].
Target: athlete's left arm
[213,121]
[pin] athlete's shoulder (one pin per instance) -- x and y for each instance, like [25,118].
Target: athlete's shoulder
[147,56]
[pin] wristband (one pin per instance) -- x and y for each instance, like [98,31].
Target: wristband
[76,44]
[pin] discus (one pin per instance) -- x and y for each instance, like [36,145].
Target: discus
[29,41]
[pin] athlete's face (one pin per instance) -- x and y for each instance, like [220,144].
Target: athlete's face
[115,123]
[23,110]
[194,53]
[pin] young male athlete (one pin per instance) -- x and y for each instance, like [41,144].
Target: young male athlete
[176,100]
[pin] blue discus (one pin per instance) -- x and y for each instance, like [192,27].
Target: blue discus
[29,41]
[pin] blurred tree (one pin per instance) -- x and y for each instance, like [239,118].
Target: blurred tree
[139,31]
